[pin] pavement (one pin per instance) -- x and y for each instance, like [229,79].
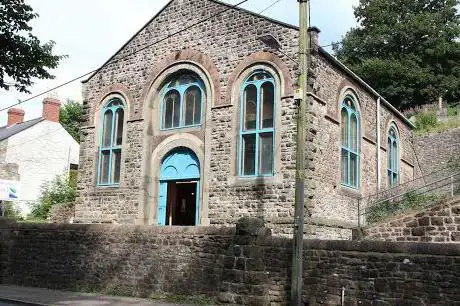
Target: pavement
[14,296]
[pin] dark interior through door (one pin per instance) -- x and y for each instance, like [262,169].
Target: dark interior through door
[181,204]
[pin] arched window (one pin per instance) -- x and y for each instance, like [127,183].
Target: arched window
[393,158]
[350,143]
[257,126]
[111,140]
[182,102]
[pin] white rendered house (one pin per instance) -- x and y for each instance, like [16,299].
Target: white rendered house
[41,148]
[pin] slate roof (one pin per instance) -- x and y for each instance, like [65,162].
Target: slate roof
[6,132]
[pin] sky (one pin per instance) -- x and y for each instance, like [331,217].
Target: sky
[90,31]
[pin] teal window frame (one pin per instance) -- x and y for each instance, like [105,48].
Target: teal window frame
[113,147]
[393,158]
[348,148]
[181,89]
[257,131]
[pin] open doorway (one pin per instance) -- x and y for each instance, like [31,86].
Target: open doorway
[181,203]
[179,192]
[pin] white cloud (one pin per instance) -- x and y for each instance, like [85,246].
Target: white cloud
[89,32]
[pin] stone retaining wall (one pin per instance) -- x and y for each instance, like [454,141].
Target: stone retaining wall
[247,266]
[436,150]
[437,223]
[61,213]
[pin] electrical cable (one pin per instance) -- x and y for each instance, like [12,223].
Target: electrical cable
[114,60]
[57,130]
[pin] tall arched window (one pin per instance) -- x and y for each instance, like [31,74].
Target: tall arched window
[350,143]
[182,102]
[111,140]
[257,126]
[393,158]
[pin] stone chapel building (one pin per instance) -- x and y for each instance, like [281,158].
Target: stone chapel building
[199,128]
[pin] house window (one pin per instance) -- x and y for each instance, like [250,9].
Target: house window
[393,160]
[111,142]
[350,143]
[257,126]
[182,102]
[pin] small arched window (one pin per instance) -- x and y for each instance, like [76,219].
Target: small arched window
[350,143]
[257,126]
[393,158]
[111,142]
[182,102]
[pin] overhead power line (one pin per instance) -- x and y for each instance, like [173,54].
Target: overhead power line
[131,54]
[143,48]
[52,132]
[269,7]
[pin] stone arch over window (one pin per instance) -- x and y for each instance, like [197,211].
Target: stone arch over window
[259,58]
[111,133]
[175,80]
[187,56]
[350,140]
[393,155]
[117,89]
[257,94]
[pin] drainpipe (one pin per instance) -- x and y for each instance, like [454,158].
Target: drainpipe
[379,174]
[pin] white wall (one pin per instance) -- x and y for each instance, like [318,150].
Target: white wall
[41,152]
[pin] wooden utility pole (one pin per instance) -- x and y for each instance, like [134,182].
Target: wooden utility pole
[297,255]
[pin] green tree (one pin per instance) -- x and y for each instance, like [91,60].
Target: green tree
[60,191]
[22,55]
[407,50]
[70,118]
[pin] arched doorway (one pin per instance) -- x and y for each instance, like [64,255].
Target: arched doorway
[179,192]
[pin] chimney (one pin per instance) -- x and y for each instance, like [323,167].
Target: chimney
[51,107]
[314,36]
[15,115]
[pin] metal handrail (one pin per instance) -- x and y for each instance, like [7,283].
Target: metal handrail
[447,184]
[407,192]
[408,182]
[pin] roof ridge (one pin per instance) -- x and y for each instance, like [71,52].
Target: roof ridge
[8,131]
[163,8]
[257,14]
[19,123]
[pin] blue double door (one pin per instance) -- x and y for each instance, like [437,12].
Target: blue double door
[179,192]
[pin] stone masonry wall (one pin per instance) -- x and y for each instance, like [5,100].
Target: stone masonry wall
[9,171]
[246,266]
[335,205]
[437,223]
[61,213]
[223,48]
[436,150]
[227,41]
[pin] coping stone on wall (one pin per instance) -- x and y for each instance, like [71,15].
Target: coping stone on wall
[385,247]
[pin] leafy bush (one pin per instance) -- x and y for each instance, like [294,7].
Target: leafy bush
[452,111]
[11,211]
[409,201]
[426,120]
[60,191]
